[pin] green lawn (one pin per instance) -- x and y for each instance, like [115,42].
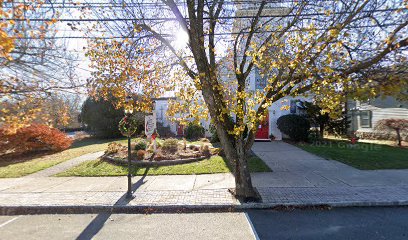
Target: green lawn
[215,164]
[77,149]
[365,156]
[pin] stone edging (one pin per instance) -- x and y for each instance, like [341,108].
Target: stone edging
[154,163]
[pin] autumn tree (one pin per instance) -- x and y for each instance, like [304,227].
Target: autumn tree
[328,48]
[34,66]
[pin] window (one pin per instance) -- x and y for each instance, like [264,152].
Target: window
[260,82]
[365,119]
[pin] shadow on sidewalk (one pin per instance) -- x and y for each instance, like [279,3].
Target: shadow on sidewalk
[97,224]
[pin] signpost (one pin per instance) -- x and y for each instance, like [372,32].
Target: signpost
[150,128]
[150,124]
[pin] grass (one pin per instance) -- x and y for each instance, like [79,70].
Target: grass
[215,164]
[19,169]
[364,156]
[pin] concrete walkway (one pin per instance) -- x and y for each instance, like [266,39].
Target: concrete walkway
[298,178]
[65,165]
[294,167]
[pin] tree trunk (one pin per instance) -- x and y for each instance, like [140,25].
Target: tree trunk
[398,137]
[236,156]
[243,181]
[321,130]
[214,100]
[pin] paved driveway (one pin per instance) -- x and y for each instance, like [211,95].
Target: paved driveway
[294,167]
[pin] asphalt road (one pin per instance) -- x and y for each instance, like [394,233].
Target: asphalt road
[340,223]
[126,226]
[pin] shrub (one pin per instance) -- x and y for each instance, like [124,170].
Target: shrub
[159,144]
[140,154]
[141,145]
[170,145]
[150,148]
[113,148]
[295,126]
[205,150]
[36,137]
[194,131]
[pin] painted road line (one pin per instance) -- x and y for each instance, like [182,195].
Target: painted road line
[7,222]
[251,225]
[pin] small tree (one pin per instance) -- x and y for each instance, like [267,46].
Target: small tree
[102,118]
[398,125]
[317,117]
[336,125]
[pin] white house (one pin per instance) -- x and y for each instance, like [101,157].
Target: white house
[365,115]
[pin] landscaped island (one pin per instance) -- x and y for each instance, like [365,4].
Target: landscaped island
[198,157]
[164,152]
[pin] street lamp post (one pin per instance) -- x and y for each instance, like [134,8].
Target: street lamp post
[128,113]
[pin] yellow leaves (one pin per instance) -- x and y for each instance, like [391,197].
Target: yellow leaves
[8,32]
[334,32]
[117,75]
[285,107]
[6,45]
[52,21]
[389,40]
[237,71]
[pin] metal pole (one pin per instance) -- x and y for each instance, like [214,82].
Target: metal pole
[129,176]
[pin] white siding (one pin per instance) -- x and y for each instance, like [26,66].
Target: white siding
[382,113]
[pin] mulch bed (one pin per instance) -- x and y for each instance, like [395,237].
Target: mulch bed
[191,153]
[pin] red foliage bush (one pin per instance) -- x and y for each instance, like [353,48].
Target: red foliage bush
[398,125]
[36,137]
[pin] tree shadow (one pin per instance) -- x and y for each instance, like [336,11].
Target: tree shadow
[12,158]
[98,222]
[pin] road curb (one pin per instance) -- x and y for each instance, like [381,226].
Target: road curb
[69,209]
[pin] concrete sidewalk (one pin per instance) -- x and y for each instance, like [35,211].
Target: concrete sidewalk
[298,179]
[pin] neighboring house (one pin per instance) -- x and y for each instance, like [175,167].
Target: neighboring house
[284,106]
[365,115]
[161,109]
[176,128]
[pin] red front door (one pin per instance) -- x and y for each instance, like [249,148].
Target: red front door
[180,130]
[263,129]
